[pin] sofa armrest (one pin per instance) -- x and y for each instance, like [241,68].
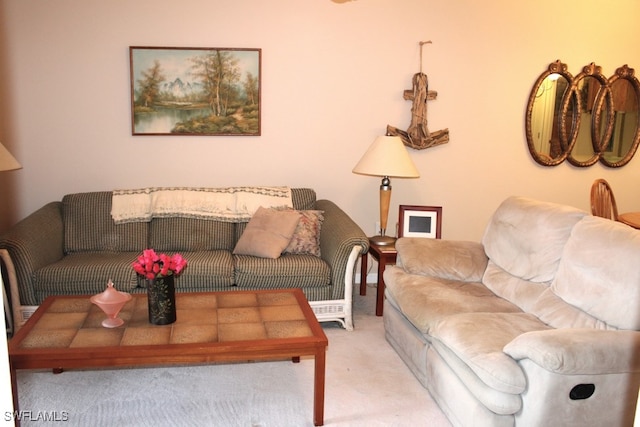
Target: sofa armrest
[338,235]
[579,351]
[446,259]
[32,243]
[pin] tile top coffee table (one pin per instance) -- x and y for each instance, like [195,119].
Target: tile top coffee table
[65,332]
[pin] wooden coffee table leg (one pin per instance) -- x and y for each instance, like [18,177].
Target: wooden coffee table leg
[318,391]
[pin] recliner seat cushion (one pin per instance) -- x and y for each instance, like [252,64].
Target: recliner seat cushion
[477,339]
[427,300]
[494,400]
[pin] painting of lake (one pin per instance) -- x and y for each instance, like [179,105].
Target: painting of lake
[195,91]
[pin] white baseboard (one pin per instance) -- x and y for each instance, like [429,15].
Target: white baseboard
[371,278]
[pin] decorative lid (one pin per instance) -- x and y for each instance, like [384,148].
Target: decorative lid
[111,296]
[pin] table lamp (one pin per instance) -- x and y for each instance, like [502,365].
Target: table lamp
[7,163]
[386,157]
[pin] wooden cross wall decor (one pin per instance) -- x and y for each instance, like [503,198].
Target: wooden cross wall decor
[417,135]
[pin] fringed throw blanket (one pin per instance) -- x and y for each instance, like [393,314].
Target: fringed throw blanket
[231,204]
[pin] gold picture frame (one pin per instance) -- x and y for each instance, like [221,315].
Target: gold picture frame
[195,91]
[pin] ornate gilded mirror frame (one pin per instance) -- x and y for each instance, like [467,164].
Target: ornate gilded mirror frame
[583,119]
[550,97]
[621,144]
[591,92]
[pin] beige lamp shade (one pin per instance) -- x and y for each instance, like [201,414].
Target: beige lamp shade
[7,161]
[387,156]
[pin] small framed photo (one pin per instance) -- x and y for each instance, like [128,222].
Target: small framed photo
[420,221]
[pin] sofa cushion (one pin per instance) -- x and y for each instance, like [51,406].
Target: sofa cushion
[425,301]
[525,237]
[85,273]
[600,272]
[190,234]
[442,258]
[306,237]
[287,271]
[206,271]
[268,233]
[477,339]
[303,198]
[465,399]
[88,225]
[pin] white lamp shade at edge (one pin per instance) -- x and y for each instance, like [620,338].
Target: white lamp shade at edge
[387,156]
[7,161]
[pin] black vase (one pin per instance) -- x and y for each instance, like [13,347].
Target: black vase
[161,296]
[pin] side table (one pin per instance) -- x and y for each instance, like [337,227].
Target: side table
[384,255]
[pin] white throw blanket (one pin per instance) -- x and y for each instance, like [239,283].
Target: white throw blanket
[230,204]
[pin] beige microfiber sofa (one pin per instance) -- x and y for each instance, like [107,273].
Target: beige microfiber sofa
[74,246]
[537,325]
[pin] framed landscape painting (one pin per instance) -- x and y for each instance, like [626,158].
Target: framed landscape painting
[420,221]
[195,91]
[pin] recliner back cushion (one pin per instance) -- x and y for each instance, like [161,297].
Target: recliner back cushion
[88,225]
[600,272]
[526,237]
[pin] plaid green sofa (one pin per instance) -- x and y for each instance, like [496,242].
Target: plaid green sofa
[73,247]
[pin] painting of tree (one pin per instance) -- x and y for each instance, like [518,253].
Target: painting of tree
[195,91]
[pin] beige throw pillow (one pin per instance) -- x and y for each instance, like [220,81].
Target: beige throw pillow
[268,233]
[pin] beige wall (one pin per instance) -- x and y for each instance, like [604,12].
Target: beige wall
[333,77]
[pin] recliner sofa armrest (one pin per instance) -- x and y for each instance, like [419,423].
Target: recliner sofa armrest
[446,259]
[32,243]
[338,235]
[579,351]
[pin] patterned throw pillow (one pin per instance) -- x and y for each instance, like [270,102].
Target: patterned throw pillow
[306,237]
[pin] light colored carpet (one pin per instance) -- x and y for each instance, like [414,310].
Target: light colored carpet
[367,385]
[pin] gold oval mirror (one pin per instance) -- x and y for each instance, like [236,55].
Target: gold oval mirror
[590,86]
[583,119]
[548,140]
[619,148]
